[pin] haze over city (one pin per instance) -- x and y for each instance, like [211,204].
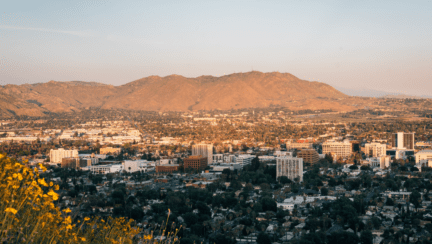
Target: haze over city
[365,45]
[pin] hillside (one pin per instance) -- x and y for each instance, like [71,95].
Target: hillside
[172,93]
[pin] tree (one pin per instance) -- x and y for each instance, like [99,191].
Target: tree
[366,237]
[324,191]
[190,218]
[263,238]
[268,204]
[284,180]
[415,198]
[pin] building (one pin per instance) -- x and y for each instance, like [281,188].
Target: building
[375,149]
[403,140]
[423,157]
[56,156]
[72,163]
[167,168]
[195,162]
[218,158]
[204,150]
[106,169]
[298,145]
[340,149]
[244,159]
[291,167]
[84,162]
[110,150]
[309,156]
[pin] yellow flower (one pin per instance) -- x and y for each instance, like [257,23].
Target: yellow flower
[14,176]
[11,210]
[42,182]
[51,184]
[1,156]
[54,195]
[83,239]
[147,237]
[67,210]
[86,219]
[20,178]
[69,227]
[56,187]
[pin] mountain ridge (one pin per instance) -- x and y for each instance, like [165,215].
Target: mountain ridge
[172,93]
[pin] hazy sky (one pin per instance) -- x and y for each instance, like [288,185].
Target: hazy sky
[381,45]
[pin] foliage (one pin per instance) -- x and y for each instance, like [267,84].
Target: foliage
[29,215]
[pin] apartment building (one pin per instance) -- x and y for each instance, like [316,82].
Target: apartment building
[375,149]
[340,149]
[291,167]
[56,156]
[401,140]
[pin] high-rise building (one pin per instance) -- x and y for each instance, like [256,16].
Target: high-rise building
[309,156]
[56,156]
[403,140]
[291,167]
[340,149]
[205,150]
[375,149]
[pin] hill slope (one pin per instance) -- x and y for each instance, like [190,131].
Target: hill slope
[172,93]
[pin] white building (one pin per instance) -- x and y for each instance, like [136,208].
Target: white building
[205,150]
[244,159]
[375,149]
[56,156]
[340,149]
[423,155]
[290,167]
[218,158]
[131,166]
[106,169]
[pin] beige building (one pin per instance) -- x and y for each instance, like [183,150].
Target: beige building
[291,167]
[339,149]
[56,156]
[375,149]
[110,150]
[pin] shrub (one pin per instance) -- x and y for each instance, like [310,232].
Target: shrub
[28,213]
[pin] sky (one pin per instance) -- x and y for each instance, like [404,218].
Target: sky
[376,45]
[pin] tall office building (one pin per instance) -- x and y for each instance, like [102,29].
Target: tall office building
[403,140]
[291,167]
[56,156]
[205,150]
[375,149]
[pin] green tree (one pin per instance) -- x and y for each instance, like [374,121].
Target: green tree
[366,237]
[263,238]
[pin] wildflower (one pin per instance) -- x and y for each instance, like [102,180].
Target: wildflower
[54,195]
[42,182]
[86,219]
[83,239]
[67,210]
[14,176]
[1,156]
[11,210]
[20,178]
[56,187]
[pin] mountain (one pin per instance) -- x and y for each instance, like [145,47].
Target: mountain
[172,93]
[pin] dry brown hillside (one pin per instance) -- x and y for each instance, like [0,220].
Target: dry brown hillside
[173,93]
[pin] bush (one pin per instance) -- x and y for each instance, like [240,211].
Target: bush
[28,213]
